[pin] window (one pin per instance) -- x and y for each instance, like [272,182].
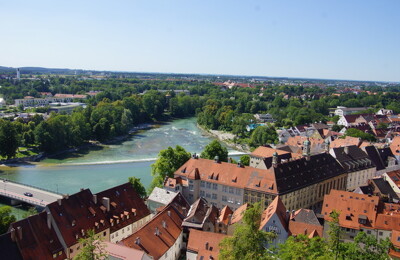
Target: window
[224,198]
[214,196]
[202,184]
[224,189]
[231,190]
[215,186]
[191,187]
[369,232]
[190,196]
[208,185]
[208,195]
[238,192]
[202,193]
[380,233]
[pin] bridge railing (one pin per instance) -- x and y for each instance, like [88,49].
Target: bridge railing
[24,199]
[24,184]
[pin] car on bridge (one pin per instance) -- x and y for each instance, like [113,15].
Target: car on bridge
[28,194]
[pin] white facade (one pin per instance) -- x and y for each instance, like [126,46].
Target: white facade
[128,230]
[2,103]
[391,183]
[175,250]
[359,178]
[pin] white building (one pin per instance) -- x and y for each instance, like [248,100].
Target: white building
[2,103]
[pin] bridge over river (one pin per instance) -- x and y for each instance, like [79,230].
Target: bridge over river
[28,194]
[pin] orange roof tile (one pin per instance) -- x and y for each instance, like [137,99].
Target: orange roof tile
[347,141]
[225,215]
[306,224]
[395,146]
[238,214]
[352,207]
[264,152]
[205,244]
[276,207]
[228,174]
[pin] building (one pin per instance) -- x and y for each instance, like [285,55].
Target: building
[383,158]
[159,198]
[9,248]
[236,218]
[2,103]
[275,219]
[357,164]
[379,187]
[125,211]
[119,252]
[347,141]
[393,178]
[342,111]
[203,245]
[261,157]
[300,183]
[35,237]
[264,118]
[360,212]
[201,216]
[305,222]
[395,147]
[18,74]
[160,238]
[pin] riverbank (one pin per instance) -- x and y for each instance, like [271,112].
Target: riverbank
[225,137]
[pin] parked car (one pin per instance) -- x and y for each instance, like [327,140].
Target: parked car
[28,194]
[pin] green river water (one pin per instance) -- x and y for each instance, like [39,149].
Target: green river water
[102,168]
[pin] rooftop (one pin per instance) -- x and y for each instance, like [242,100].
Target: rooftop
[205,244]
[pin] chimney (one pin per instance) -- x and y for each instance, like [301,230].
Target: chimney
[106,203]
[194,156]
[49,220]
[59,202]
[13,234]
[157,233]
[82,189]
[169,213]
[346,150]
[216,159]
[164,224]
[207,245]
[327,144]
[275,159]
[94,198]
[137,241]
[239,164]
[19,231]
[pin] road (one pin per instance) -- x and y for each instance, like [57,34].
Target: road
[16,191]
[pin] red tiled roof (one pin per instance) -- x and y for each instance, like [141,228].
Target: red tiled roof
[299,226]
[395,146]
[347,141]
[73,216]
[238,214]
[123,198]
[205,244]
[37,238]
[264,152]
[228,174]
[276,207]
[225,215]
[351,206]
[159,235]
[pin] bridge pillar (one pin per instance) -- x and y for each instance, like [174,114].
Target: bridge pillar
[14,202]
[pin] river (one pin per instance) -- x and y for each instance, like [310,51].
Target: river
[104,167]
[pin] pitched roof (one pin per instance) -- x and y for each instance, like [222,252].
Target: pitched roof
[205,244]
[225,215]
[300,173]
[347,141]
[395,177]
[162,196]
[395,146]
[8,248]
[238,214]
[374,155]
[352,207]
[227,174]
[304,221]
[276,207]
[119,252]
[199,213]
[263,152]
[76,214]
[352,158]
[37,239]
[384,188]
[124,201]
[158,235]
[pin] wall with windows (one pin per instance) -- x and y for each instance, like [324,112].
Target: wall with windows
[221,195]
[175,250]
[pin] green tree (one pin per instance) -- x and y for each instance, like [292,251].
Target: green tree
[301,247]
[215,149]
[358,133]
[366,247]
[8,139]
[6,218]
[248,241]
[31,211]
[335,233]
[138,186]
[245,159]
[93,247]
[168,161]
[263,135]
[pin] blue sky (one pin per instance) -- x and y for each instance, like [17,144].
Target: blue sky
[354,39]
